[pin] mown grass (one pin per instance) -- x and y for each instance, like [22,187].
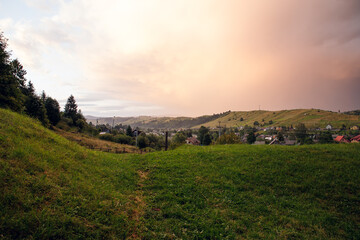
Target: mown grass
[55,189]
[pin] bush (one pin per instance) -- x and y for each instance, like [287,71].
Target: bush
[123,139]
[107,137]
[229,138]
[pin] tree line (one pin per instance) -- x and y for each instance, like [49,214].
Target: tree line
[18,94]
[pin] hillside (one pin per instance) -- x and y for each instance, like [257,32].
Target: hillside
[310,117]
[52,188]
[158,122]
[96,143]
[56,189]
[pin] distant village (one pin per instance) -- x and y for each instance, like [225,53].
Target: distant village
[256,135]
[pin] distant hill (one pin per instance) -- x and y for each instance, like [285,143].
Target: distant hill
[160,122]
[310,117]
[355,112]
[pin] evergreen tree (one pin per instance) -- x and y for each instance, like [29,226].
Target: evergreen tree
[10,94]
[129,131]
[71,109]
[52,110]
[34,107]
[18,71]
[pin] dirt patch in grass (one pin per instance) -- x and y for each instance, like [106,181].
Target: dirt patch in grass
[137,206]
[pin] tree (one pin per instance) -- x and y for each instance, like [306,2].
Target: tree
[301,133]
[81,124]
[251,137]
[325,137]
[129,131]
[179,138]
[71,109]
[142,141]
[280,136]
[256,123]
[229,138]
[202,132]
[207,139]
[52,110]
[18,72]
[10,93]
[34,107]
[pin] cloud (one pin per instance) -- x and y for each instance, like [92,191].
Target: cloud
[199,57]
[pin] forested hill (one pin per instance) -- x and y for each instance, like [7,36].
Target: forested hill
[310,117]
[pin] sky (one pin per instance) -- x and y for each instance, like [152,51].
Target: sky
[186,57]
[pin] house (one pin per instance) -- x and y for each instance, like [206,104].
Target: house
[328,127]
[268,138]
[355,139]
[341,139]
[192,141]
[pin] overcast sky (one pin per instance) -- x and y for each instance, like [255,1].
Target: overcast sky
[186,57]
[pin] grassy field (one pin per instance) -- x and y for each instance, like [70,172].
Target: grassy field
[54,188]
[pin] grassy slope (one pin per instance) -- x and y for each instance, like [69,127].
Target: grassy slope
[53,188]
[96,143]
[310,117]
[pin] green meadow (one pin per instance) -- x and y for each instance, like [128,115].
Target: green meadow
[52,188]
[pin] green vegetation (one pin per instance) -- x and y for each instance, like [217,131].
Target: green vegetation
[55,189]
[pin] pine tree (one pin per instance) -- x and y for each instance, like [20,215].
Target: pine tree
[129,131]
[71,109]
[34,107]
[10,94]
[52,110]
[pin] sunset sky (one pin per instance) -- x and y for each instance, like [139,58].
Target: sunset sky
[187,57]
